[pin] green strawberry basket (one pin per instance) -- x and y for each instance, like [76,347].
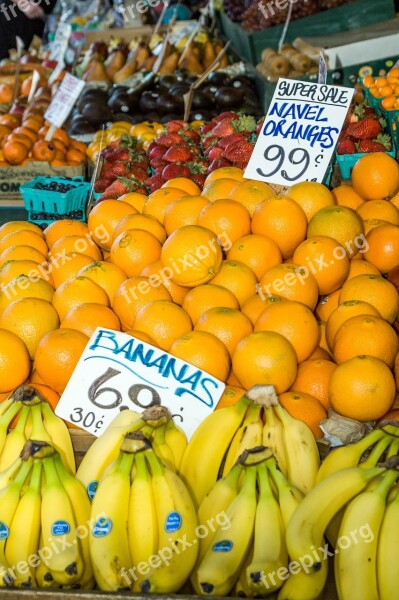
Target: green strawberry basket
[346,162]
[392,118]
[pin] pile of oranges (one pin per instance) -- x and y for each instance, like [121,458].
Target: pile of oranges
[386,88]
[22,140]
[251,287]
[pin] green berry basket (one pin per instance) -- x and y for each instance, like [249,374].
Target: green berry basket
[346,162]
[392,118]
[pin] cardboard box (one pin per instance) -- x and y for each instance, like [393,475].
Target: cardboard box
[122,33]
[12,177]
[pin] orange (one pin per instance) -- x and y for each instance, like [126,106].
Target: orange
[395,200]
[265,357]
[10,120]
[290,281]
[320,354]
[325,259]
[203,350]
[228,217]
[305,407]
[76,292]
[375,290]
[379,209]
[108,276]
[74,156]
[183,183]
[203,297]
[225,173]
[370,224]
[157,202]
[157,275]
[230,396]
[15,152]
[22,252]
[256,304]
[366,334]
[232,379]
[12,226]
[375,176]
[322,336]
[383,247]
[87,317]
[76,244]
[57,355]
[23,287]
[134,199]
[326,305]
[132,295]
[14,268]
[24,238]
[345,195]
[313,377]
[22,130]
[295,322]
[238,278]
[18,138]
[362,388]
[361,267]
[340,223]
[103,219]
[219,189]
[144,337]
[183,211]
[343,312]
[66,267]
[228,324]
[138,221]
[258,252]
[191,255]
[46,393]
[134,249]
[282,220]
[251,193]
[63,228]
[164,321]
[311,196]
[14,361]
[43,150]
[30,319]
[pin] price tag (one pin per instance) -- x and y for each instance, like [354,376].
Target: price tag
[61,41]
[117,371]
[299,133]
[64,99]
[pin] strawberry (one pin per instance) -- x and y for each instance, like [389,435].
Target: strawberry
[199,179]
[176,126]
[366,129]
[215,152]
[346,147]
[238,152]
[228,126]
[155,180]
[102,184]
[156,151]
[119,169]
[178,153]
[225,115]
[152,145]
[120,186]
[175,170]
[137,173]
[191,135]
[118,155]
[209,141]
[218,163]
[169,139]
[207,128]
[223,128]
[158,162]
[229,139]
[382,143]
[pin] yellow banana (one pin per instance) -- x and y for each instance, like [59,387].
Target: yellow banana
[223,561]
[15,440]
[5,404]
[161,448]
[23,540]
[204,454]
[376,453]
[393,448]
[356,561]
[109,545]
[177,522]
[270,550]
[387,569]
[38,431]
[142,520]
[8,475]
[5,420]
[248,436]
[59,528]
[273,438]
[288,497]
[176,440]
[60,437]
[241,588]
[43,576]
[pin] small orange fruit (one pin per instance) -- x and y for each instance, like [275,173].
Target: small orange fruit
[203,350]
[375,290]
[138,221]
[290,281]
[362,388]
[230,396]
[238,278]
[343,312]
[104,218]
[134,199]
[63,228]
[265,357]
[306,408]
[164,321]
[326,305]
[14,361]
[158,275]
[226,216]
[320,354]
[15,152]
[382,249]
[76,292]
[87,317]
[225,173]
[107,275]
[229,325]
[361,267]
[24,238]
[183,211]
[183,183]
[43,150]
[313,377]
[132,295]
[75,244]
[157,202]
[144,337]
[258,252]
[203,297]
[218,189]
[134,249]
[12,226]
[345,195]
[251,193]
[379,209]
[12,269]
[256,304]
[311,196]
[23,287]
[22,252]
[340,223]
[66,267]
[370,224]
[375,176]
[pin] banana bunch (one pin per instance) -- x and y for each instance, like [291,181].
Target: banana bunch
[42,506]
[248,546]
[143,523]
[34,420]
[167,439]
[257,419]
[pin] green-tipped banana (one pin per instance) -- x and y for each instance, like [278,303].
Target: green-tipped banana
[223,561]
[109,544]
[270,550]
[356,561]
[288,496]
[387,562]
[23,540]
[15,441]
[59,435]
[7,476]
[273,438]
[377,453]
[5,404]
[161,448]
[205,452]
[177,441]
[248,436]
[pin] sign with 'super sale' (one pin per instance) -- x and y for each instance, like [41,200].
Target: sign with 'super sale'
[299,133]
[117,371]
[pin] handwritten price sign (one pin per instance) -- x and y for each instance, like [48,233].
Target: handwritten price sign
[117,371]
[300,132]
[64,100]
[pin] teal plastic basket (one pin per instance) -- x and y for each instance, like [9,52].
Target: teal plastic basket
[392,118]
[46,206]
[346,162]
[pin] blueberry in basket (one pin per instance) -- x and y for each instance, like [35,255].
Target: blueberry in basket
[54,186]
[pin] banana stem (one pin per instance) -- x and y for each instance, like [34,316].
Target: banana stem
[23,417]
[38,430]
[36,477]
[50,472]
[155,464]
[376,452]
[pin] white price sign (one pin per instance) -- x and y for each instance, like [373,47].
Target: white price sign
[299,133]
[64,100]
[117,371]
[61,41]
